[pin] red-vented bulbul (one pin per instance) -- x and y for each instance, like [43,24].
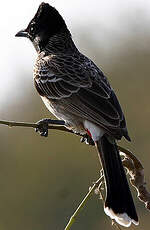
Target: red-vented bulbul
[76,91]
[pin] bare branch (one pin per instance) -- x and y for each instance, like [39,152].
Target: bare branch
[33,125]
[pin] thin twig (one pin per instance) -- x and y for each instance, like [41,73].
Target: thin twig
[82,204]
[20,124]
[32,125]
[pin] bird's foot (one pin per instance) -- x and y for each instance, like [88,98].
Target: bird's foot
[42,128]
[87,139]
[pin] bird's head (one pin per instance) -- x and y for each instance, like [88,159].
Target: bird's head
[46,23]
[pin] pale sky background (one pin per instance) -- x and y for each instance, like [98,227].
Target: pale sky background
[102,18]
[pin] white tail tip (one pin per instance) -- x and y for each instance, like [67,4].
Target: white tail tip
[122,219]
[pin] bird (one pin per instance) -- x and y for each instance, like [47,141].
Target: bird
[78,93]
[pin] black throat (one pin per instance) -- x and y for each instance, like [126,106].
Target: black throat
[58,43]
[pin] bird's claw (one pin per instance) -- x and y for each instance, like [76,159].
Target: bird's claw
[87,139]
[42,128]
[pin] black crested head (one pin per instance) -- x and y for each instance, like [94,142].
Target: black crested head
[47,20]
[46,23]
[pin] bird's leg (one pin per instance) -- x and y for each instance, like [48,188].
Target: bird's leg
[43,126]
[87,139]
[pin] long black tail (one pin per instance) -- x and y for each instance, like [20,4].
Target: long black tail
[119,203]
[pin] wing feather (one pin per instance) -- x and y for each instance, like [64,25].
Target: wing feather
[79,83]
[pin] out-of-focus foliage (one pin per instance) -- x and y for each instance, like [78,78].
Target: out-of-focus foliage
[42,180]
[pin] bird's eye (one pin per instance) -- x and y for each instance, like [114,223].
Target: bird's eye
[32,28]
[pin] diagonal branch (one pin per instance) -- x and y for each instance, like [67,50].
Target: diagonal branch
[82,204]
[136,172]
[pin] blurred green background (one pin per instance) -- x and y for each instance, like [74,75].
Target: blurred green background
[42,180]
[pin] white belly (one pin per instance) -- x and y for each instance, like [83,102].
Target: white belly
[95,131]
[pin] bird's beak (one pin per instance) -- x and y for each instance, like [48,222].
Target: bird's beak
[22,33]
